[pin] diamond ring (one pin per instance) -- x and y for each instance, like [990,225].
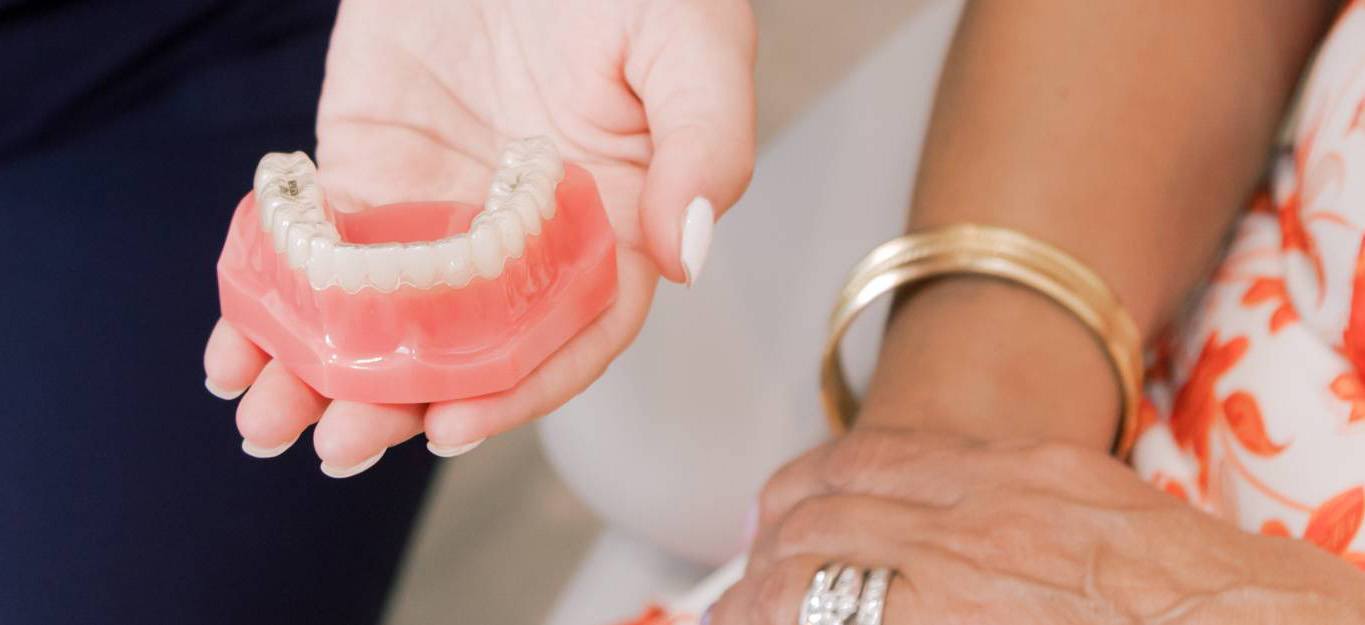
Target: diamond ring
[833,595]
[872,603]
[841,594]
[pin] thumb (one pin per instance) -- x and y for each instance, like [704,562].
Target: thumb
[692,65]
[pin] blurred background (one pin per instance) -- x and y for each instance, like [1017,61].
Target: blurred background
[580,520]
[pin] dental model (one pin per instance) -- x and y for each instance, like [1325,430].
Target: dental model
[418,302]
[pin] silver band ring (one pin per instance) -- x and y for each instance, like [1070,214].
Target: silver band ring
[833,595]
[872,603]
[820,583]
[840,594]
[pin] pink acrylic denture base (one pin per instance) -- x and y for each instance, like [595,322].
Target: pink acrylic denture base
[423,345]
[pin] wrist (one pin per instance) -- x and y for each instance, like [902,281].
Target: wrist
[990,360]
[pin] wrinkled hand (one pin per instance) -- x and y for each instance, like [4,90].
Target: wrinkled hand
[654,97]
[1021,533]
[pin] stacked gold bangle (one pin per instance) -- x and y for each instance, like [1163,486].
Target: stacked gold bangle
[999,253]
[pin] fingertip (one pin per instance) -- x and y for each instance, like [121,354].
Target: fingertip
[264,453]
[222,393]
[451,451]
[350,434]
[231,361]
[276,410]
[690,184]
[343,472]
[338,441]
[455,424]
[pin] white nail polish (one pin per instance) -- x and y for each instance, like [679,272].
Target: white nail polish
[222,393]
[698,220]
[256,451]
[452,451]
[340,473]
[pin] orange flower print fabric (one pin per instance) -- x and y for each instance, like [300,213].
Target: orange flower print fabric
[1256,410]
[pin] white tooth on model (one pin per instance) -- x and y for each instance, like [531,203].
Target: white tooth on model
[349,263]
[281,218]
[276,164]
[520,197]
[265,206]
[284,212]
[298,242]
[300,187]
[290,214]
[524,205]
[531,168]
[539,188]
[454,259]
[505,181]
[486,243]
[509,227]
[547,207]
[417,265]
[526,176]
[283,179]
[305,190]
[321,262]
[548,163]
[381,265]
[542,189]
[270,201]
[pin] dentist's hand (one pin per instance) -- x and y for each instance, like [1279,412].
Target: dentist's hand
[654,97]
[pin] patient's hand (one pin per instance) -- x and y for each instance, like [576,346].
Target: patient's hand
[1024,532]
[654,97]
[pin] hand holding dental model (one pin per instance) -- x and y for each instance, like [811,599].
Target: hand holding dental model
[653,99]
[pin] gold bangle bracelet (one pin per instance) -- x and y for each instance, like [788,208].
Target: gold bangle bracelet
[1002,254]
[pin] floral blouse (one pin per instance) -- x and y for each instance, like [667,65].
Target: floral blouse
[1256,408]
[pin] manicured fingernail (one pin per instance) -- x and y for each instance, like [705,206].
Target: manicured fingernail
[340,473]
[257,451]
[452,451]
[222,393]
[698,220]
[751,525]
[706,615]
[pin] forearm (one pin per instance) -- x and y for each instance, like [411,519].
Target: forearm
[1125,133]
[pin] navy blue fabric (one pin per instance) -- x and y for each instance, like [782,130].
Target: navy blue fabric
[124,498]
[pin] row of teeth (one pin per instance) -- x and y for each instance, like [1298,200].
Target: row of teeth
[521,197]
